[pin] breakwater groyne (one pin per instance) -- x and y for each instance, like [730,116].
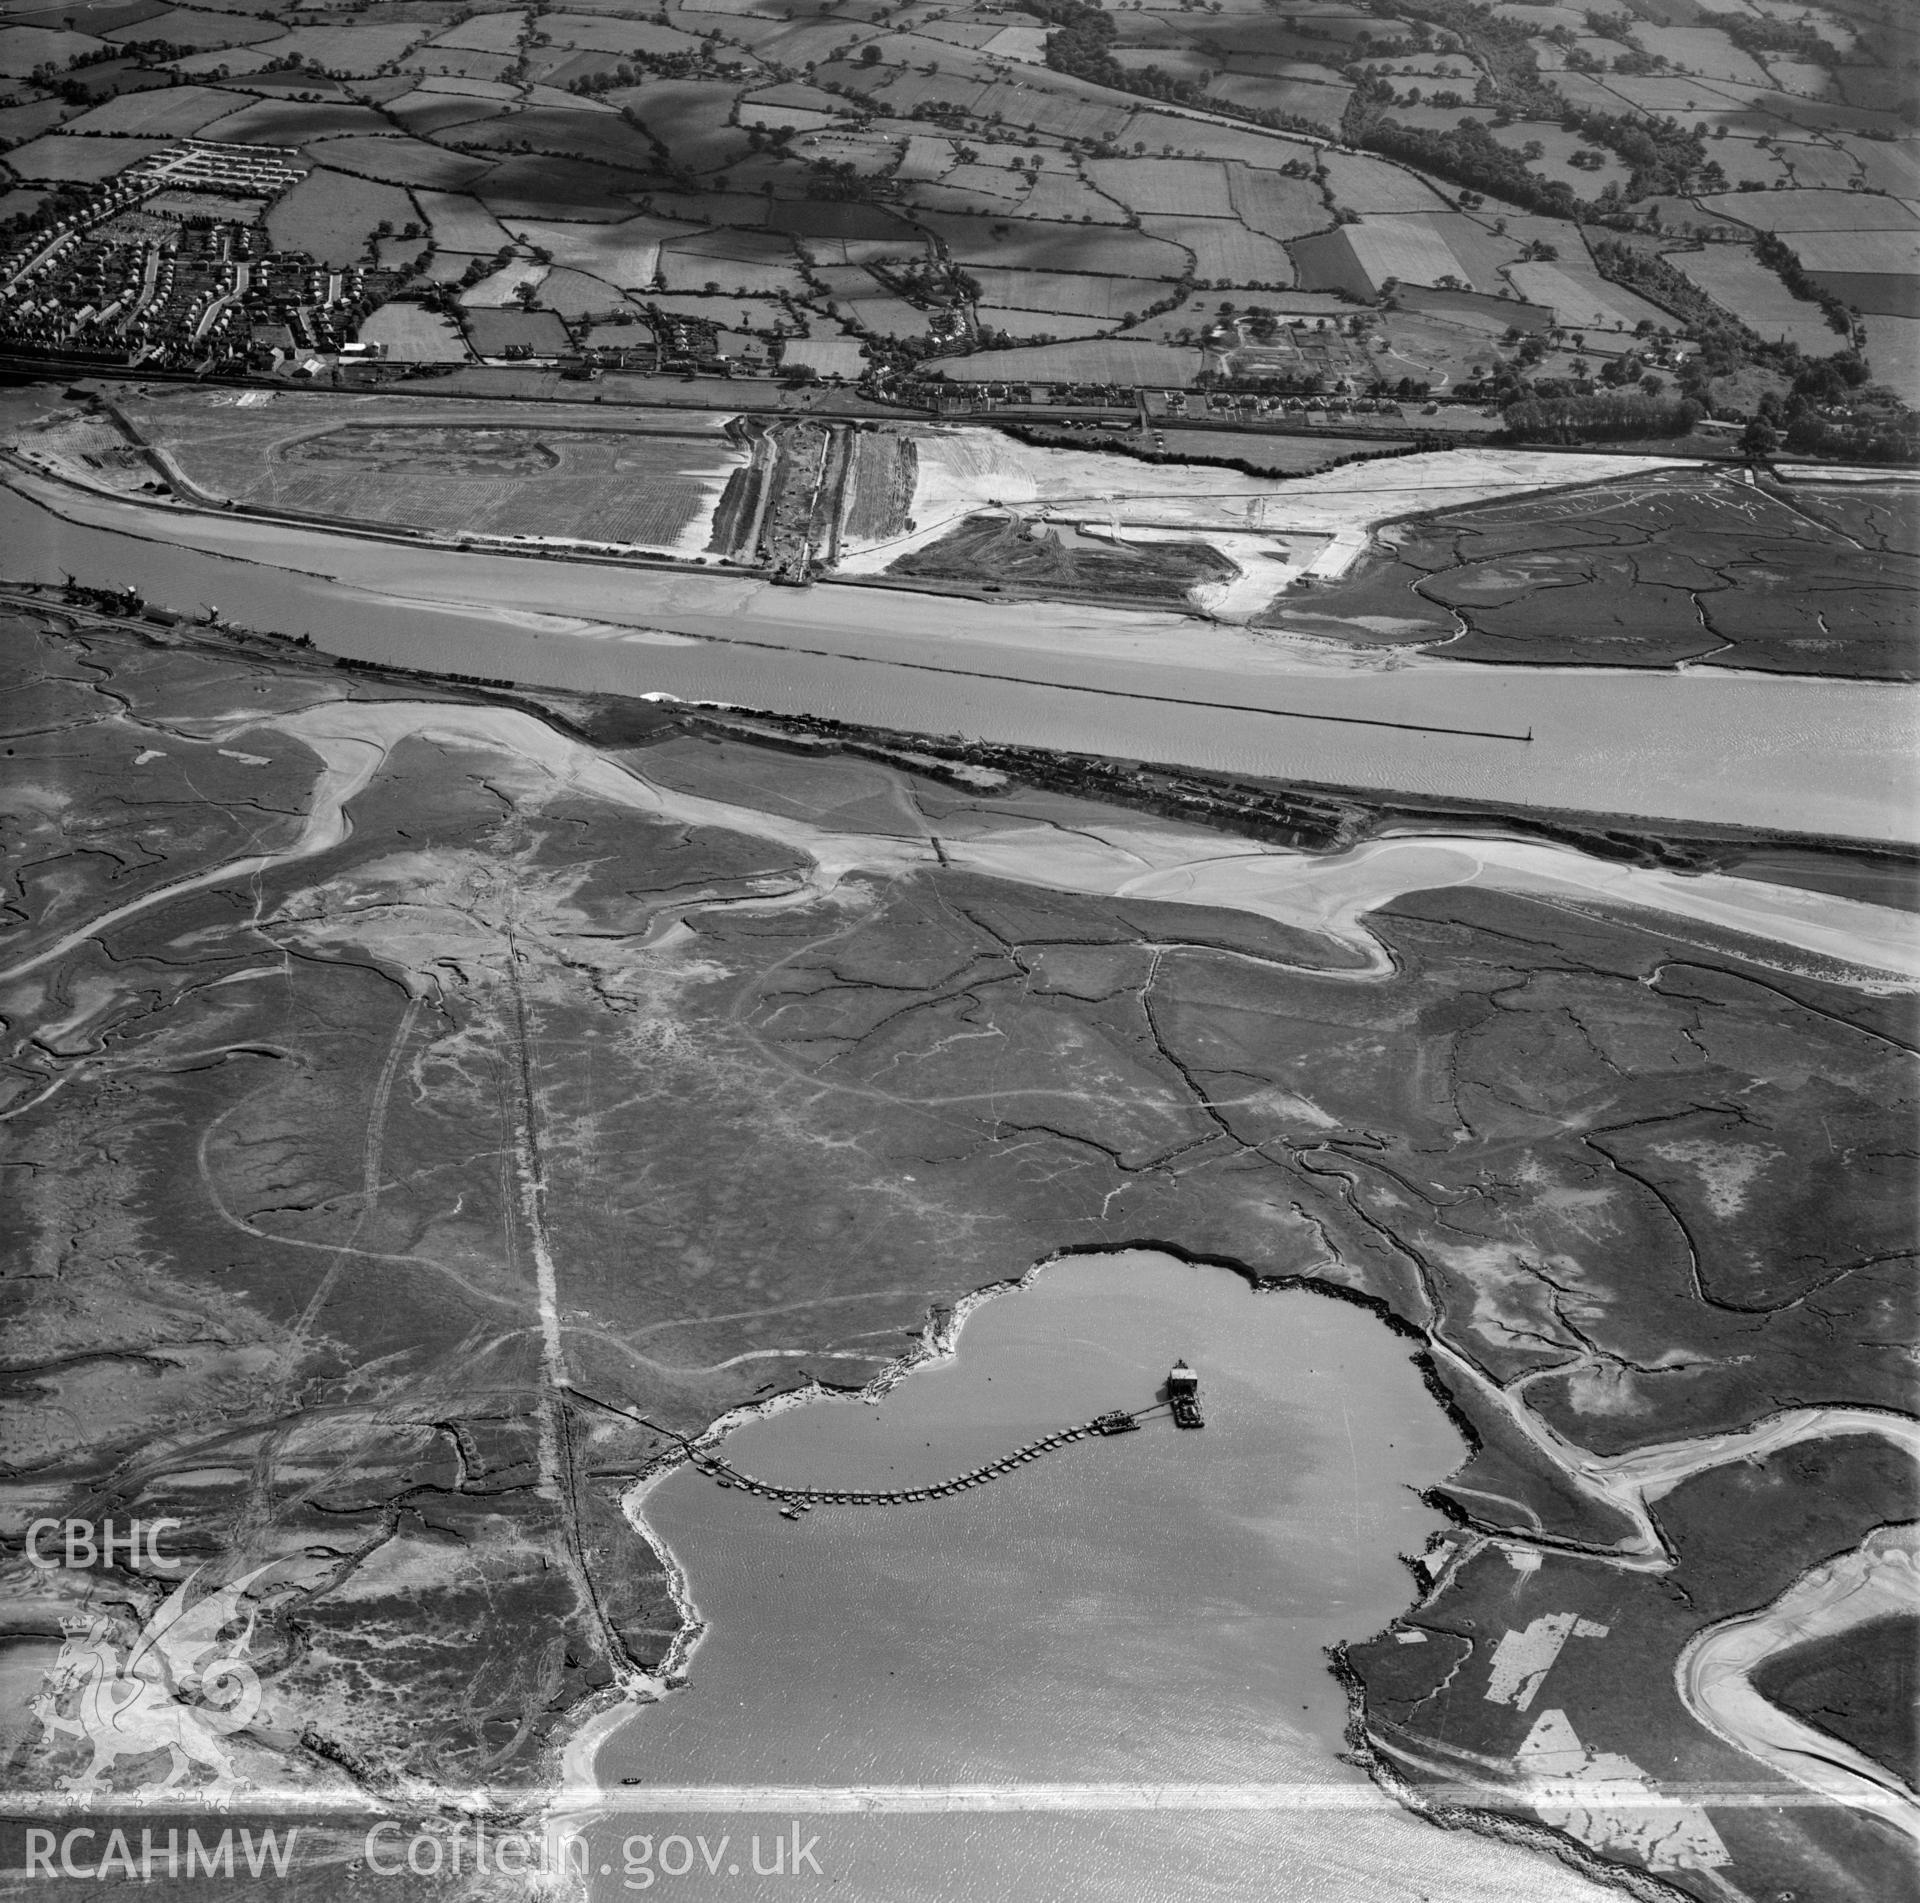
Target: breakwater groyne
[794,1500]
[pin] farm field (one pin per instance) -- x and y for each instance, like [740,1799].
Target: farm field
[1000,321]
[331,215]
[504,331]
[688,266]
[1736,280]
[1224,251]
[454,62]
[169,112]
[1102,297]
[459,223]
[412,335]
[501,289]
[405,162]
[963,138]
[1116,360]
[1893,348]
[57,160]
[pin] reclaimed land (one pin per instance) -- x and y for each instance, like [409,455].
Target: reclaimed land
[446,1115]
[513,471]
[1657,568]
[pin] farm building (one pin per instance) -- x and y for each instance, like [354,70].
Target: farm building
[1362,259]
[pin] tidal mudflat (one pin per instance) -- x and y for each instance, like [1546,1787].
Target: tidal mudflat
[422,1142]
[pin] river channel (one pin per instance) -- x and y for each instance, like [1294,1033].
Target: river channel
[1022,1667]
[1821,756]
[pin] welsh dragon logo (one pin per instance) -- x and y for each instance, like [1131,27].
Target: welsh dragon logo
[172,1685]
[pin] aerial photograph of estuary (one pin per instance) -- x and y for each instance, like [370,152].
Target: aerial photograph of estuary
[960,953]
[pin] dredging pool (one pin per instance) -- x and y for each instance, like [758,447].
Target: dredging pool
[1103,1675]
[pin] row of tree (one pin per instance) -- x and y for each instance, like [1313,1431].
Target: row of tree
[1082,45]
[1795,38]
[1780,258]
[1604,416]
[1468,154]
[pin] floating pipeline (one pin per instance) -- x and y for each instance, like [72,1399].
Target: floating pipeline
[795,1500]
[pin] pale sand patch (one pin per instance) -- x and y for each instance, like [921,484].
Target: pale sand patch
[1605,1799]
[1266,564]
[963,470]
[1340,554]
[1149,860]
[1526,1654]
[1727,1170]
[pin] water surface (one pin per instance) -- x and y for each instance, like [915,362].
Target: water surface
[1142,1610]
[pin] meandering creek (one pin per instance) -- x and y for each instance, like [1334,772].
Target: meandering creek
[1880,1577]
